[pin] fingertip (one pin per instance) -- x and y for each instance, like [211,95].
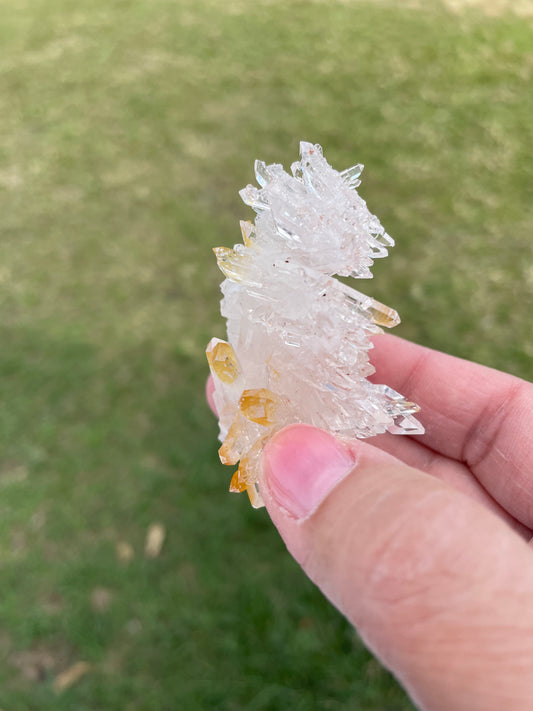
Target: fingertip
[302,464]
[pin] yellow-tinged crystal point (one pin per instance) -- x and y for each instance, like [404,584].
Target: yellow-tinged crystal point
[409,407]
[259,406]
[230,263]
[255,496]
[248,471]
[247,229]
[383,315]
[222,359]
[241,444]
[237,485]
[230,452]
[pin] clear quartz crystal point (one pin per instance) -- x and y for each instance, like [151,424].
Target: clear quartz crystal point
[298,338]
[351,175]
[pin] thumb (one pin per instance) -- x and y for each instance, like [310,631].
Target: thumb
[437,586]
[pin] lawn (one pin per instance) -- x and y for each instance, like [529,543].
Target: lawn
[127,128]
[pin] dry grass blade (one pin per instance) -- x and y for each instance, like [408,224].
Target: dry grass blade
[155,537]
[71,676]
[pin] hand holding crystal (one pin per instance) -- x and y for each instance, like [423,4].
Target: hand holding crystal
[424,543]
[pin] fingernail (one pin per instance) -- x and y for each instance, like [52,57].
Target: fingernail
[302,465]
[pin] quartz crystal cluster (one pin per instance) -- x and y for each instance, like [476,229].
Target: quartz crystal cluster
[298,338]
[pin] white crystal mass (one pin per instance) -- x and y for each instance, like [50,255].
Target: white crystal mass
[298,337]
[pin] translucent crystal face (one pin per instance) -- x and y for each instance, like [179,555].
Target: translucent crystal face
[299,338]
[316,215]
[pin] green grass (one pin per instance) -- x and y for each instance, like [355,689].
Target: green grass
[127,128]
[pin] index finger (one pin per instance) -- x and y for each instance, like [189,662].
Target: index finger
[471,413]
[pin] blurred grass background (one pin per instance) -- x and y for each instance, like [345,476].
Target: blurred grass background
[127,128]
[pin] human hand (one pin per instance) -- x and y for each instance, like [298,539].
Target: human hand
[424,543]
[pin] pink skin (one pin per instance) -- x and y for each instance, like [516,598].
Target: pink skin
[421,541]
[305,464]
[209,390]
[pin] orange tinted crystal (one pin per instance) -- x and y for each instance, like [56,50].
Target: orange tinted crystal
[383,315]
[237,485]
[223,361]
[229,451]
[231,264]
[259,406]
